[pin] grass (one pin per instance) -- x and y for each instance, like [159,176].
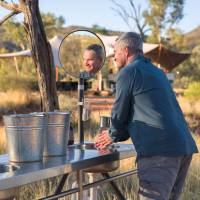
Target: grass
[11,100]
[192,185]
[189,106]
[18,101]
[2,141]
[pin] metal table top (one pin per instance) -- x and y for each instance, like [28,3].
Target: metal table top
[75,159]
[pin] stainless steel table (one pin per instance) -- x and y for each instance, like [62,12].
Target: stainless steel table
[74,160]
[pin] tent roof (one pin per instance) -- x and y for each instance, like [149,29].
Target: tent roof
[109,42]
[55,43]
[16,54]
[166,58]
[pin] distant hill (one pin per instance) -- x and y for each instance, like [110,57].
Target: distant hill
[11,47]
[69,29]
[193,37]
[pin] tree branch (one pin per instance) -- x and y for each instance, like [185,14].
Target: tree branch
[121,11]
[124,17]
[8,16]
[10,6]
[133,15]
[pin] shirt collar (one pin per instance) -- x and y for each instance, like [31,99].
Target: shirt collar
[141,57]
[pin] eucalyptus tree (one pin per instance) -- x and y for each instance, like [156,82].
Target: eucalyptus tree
[154,20]
[40,47]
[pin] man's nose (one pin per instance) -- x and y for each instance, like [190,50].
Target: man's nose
[86,63]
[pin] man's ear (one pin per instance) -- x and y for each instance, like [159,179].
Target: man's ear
[126,51]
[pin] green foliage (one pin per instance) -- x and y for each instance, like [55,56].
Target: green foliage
[26,67]
[52,23]
[182,82]
[98,29]
[161,15]
[191,68]
[193,91]
[156,19]
[195,61]
[105,69]
[14,32]
[16,82]
[176,40]
[2,148]
[71,55]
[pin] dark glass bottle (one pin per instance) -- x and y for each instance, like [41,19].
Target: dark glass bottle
[71,135]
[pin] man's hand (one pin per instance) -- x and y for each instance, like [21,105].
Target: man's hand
[103,140]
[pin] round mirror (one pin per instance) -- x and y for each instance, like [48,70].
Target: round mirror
[82,54]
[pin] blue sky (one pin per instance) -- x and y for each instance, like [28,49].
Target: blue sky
[89,12]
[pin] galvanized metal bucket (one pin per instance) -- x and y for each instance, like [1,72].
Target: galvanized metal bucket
[57,133]
[9,194]
[25,137]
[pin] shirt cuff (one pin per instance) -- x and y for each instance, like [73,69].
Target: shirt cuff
[113,134]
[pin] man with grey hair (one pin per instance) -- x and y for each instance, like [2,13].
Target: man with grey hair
[146,110]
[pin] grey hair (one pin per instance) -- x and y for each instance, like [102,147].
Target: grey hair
[98,49]
[132,41]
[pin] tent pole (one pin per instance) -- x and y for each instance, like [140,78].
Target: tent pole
[16,64]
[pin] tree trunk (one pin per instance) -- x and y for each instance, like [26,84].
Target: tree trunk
[42,55]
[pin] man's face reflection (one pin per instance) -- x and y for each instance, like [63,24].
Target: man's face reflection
[92,62]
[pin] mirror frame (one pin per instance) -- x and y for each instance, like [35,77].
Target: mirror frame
[102,44]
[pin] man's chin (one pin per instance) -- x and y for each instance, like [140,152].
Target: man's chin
[117,65]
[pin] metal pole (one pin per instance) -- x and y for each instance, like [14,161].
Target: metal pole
[120,196]
[61,184]
[80,184]
[80,109]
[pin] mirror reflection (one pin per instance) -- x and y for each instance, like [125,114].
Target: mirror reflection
[82,54]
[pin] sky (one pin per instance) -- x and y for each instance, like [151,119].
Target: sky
[90,12]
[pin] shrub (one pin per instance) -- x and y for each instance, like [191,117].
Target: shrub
[16,82]
[193,91]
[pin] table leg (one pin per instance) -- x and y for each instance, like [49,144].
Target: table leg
[120,196]
[80,184]
[61,184]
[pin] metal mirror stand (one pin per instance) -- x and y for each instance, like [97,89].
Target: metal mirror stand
[80,110]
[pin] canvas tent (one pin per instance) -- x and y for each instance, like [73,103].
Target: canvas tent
[156,52]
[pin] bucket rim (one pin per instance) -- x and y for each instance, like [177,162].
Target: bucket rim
[23,115]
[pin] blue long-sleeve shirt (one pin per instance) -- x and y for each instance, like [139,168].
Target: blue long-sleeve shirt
[146,110]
